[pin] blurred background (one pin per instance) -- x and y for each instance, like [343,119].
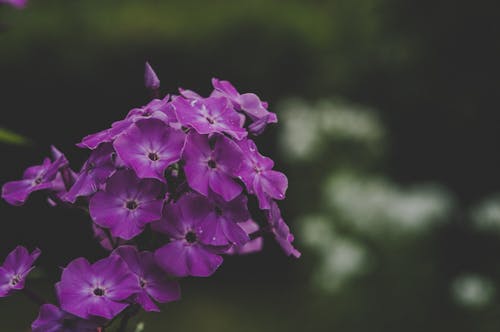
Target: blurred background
[389,133]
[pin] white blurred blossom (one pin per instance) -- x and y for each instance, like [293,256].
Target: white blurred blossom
[473,291]
[486,216]
[379,207]
[340,258]
[308,128]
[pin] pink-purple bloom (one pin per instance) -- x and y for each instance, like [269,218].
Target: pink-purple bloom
[96,290]
[149,147]
[188,253]
[15,269]
[127,204]
[212,168]
[154,283]
[35,178]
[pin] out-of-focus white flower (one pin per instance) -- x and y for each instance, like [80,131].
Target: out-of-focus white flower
[376,206]
[308,128]
[340,258]
[486,216]
[472,291]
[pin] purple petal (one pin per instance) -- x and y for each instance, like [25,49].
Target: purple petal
[151,80]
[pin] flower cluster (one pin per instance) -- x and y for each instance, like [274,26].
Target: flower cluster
[178,172]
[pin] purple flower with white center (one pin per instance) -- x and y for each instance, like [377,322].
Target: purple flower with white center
[149,147]
[281,231]
[39,177]
[97,290]
[249,103]
[210,115]
[94,173]
[259,178]
[15,269]
[127,204]
[187,254]
[226,216]
[151,80]
[15,3]
[153,281]
[214,168]
[52,319]
[252,246]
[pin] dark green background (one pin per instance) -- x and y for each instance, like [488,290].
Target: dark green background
[69,68]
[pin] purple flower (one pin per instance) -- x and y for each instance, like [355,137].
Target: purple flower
[52,319]
[127,204]
[187,254]
[149,147]
[94,173]
[15,269]
[249,103]
[210,115]
[212,168]
[225,216]
[15,3]
[154,283]
[252,246]
[281,231]
[259,178]
[39,177]
[99,289]
[151,80]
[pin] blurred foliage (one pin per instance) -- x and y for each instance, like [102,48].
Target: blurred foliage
[9,137]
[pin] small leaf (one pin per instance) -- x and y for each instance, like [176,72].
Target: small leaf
[9,137]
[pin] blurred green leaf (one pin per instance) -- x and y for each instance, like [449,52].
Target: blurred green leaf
[9,137]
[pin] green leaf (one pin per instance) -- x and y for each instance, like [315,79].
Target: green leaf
[9,137]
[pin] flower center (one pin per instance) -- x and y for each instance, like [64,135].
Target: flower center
[38,180]
[191,237]
[212,163]
[15,280]
[99,291]
[131,205]
[153,156]
[90,167]
[210,120]
[142,283]
[218,211]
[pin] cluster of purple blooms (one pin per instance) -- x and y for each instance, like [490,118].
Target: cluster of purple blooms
[184,167]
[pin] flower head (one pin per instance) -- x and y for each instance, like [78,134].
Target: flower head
[187,253]
[96,290]
[35,178]
[149,147]
[15,269]
[153,281]
[127,204]
[212,168]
